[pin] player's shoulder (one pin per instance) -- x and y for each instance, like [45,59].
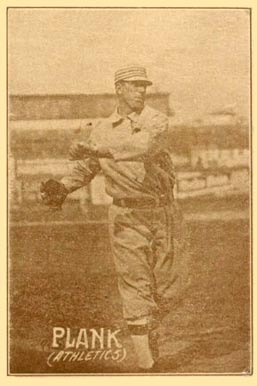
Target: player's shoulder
[153,118]
[150,113]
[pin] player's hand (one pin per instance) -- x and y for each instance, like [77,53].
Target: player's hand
[82,150]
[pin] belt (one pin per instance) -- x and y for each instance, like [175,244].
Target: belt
[147,202]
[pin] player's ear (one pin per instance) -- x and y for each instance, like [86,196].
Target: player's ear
[119,88]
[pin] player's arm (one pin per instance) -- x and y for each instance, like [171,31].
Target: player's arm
[82,150]
[141,145]
[81,174]
[54,193]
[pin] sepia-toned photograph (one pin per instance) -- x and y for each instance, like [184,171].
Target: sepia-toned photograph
[129,191]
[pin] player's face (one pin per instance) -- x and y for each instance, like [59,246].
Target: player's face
[133,94]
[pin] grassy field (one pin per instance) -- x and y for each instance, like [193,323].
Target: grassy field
[64,276]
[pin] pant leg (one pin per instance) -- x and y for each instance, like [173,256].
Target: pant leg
[163,249]
[170,272]
[131,240]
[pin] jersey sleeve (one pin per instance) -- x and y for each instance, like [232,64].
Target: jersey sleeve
[81,174]
[82,171]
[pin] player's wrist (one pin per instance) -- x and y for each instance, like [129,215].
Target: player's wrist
[103,152]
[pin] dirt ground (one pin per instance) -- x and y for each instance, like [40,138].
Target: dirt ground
[64,276]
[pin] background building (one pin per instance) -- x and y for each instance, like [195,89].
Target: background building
[82,106]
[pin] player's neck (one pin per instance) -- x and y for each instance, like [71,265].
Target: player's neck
[124,110]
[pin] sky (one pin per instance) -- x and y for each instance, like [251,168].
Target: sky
[200,56]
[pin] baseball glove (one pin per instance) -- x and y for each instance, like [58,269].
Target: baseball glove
[53,193]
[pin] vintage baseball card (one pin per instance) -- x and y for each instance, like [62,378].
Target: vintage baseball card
[128,222]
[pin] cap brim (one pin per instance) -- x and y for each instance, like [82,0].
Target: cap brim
[136,78]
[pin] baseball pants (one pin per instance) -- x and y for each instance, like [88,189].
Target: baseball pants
[143,252]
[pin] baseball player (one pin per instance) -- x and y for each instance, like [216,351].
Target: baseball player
[131,149]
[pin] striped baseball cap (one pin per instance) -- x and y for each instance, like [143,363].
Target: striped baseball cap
[130,73]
